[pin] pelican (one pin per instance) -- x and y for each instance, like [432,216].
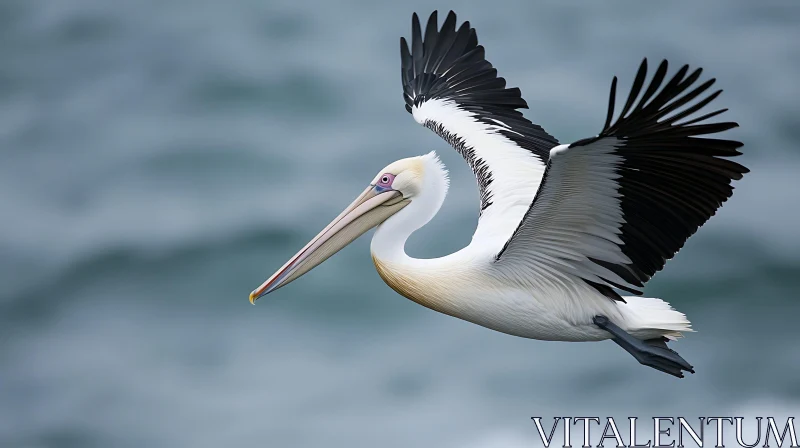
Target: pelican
[564,229]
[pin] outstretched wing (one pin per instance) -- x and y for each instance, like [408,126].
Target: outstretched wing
[613,208]
[450,88]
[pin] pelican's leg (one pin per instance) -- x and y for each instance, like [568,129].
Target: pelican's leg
[652,352]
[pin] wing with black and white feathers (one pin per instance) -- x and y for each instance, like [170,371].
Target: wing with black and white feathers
[612,209]
[450,88]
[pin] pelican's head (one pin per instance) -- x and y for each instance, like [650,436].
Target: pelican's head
[393,188]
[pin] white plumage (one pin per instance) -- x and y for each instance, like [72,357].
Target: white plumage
[516,172]
[539,296]
[563,228]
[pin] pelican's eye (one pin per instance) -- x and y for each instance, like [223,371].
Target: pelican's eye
[386,180]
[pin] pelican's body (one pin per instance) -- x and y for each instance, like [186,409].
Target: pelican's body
[562,227]
[553,313]
[470,285]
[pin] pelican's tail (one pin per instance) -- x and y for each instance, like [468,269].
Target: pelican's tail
[647,318]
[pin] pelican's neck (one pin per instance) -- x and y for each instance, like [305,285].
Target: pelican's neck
[390,238]
[430,282]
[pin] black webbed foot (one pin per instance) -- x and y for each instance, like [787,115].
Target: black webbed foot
[652,352]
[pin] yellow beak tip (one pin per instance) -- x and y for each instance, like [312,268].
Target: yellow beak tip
[253,297]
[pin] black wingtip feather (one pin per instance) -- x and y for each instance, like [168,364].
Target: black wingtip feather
[443,52]
[672,178]
[638,82]
[611,99]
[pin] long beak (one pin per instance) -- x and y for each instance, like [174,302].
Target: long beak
[369,209]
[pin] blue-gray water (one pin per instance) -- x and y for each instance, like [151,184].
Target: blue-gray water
[159,159]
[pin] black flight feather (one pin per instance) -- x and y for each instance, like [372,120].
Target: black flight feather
[672,179]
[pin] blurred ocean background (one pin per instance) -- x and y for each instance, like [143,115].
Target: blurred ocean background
[160,158]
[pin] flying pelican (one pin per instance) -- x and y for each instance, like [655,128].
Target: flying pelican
[563,227]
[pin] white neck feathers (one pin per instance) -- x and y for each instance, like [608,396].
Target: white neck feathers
[390,238]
